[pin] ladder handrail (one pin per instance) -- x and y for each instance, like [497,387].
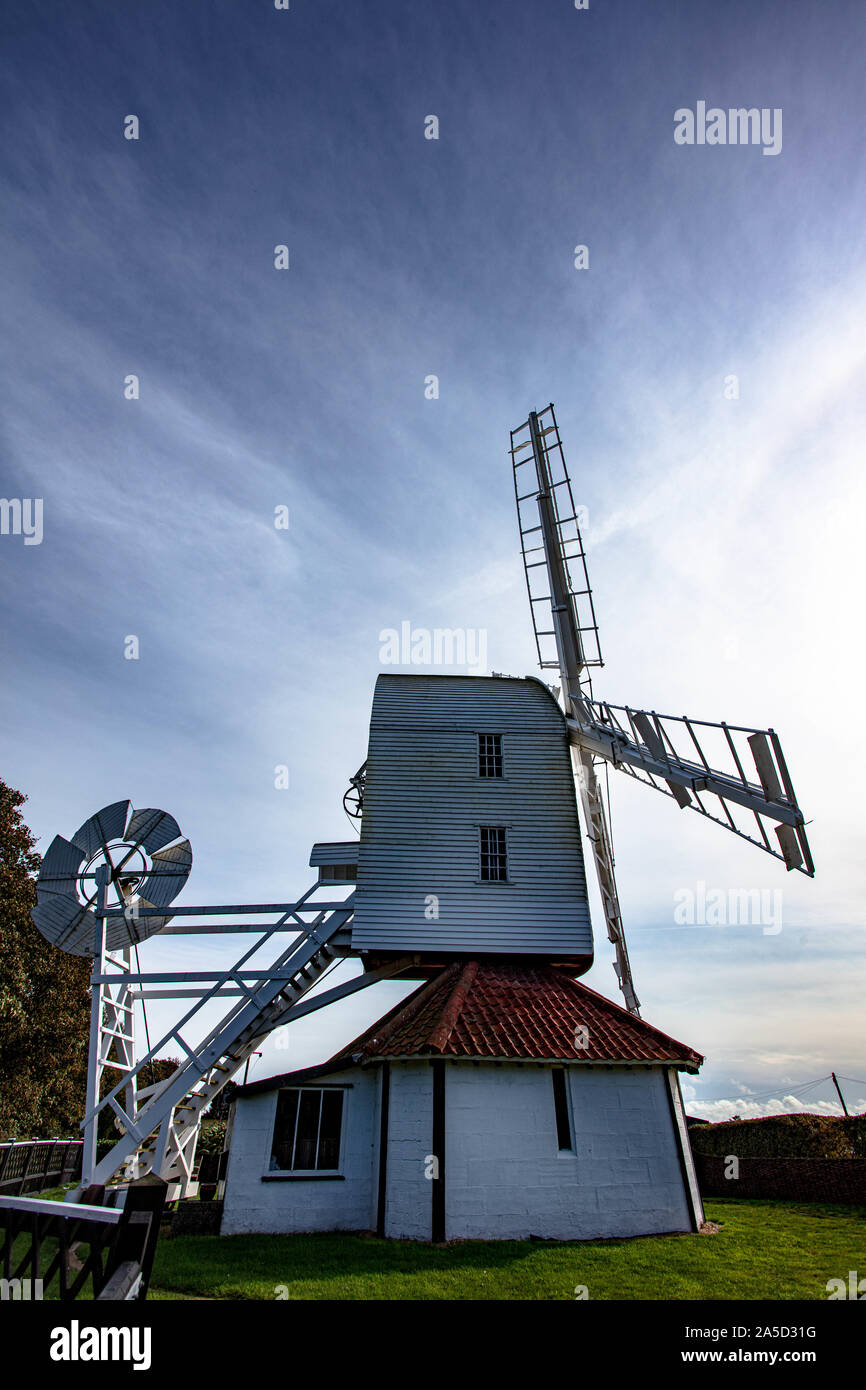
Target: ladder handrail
[222,979]
[229,1034]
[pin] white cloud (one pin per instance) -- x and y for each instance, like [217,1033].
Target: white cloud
[718,1110]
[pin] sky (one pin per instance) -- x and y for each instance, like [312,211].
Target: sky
[708,368]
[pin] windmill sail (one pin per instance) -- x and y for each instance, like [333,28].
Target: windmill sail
[554,560]
[566,632]
[733,775]
[720,770]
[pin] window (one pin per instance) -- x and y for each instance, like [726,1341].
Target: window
[338,873]
[564,1137]
[490,755]
[307,1130]
[494,866]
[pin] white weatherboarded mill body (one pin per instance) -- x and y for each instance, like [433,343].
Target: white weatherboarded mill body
[428,795]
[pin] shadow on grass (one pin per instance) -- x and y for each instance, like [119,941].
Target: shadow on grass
[337,1254]
[764,1249]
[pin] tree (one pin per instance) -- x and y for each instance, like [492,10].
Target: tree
[108,1127]
[44,1000]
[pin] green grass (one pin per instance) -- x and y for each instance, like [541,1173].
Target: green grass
[772,1250]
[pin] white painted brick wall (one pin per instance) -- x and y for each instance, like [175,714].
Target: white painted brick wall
[410,1128]
[506,1179]
[316,1204]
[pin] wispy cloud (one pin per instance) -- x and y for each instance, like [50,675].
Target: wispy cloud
[724,535]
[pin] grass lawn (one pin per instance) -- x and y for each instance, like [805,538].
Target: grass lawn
[774,1250]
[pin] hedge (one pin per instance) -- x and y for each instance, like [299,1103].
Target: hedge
[784,1136]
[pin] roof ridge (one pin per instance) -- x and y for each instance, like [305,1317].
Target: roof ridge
[451,1012]
[410,1006]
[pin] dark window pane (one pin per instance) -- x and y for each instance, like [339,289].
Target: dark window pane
[493,859]
[490,755]
[329,1130]
[284,1130]
[560,1104]
[308,1129]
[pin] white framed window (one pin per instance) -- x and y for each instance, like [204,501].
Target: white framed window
[308,1130]
[489,755]
[494,854]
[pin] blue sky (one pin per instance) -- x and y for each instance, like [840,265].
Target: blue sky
[724,535]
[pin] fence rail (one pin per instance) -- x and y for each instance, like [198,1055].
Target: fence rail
[36,1165]
[69,1243]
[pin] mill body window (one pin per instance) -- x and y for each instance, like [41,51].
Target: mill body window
[307,1130]
[490,755]
[494,855]
[562,1112]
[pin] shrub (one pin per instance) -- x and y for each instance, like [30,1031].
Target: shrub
[212,1137]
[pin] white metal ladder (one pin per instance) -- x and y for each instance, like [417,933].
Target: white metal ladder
[161,1136]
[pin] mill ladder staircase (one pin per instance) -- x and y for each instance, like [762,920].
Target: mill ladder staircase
[161,1136]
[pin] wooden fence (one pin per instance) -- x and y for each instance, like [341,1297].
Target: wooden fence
[65,1244]
[37,1165]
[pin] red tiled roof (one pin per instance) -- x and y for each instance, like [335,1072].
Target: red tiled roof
[480,1009]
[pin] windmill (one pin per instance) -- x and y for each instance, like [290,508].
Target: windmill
[706,767]
[469,849]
